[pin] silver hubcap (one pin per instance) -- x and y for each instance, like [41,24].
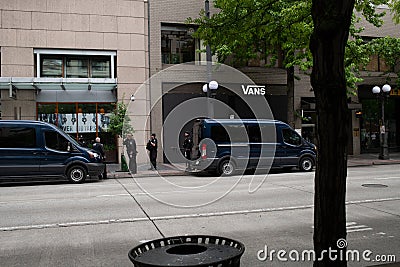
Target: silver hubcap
[227,168]
[76,174]
[306,164]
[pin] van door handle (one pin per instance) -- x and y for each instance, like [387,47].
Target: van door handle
[40,153]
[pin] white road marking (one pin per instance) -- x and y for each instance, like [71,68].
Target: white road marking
[387,178]
[185,216]
[113,195]
[359,230]
[153,193]
[356,226]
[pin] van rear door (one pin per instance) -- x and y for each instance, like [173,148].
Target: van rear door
[19,151]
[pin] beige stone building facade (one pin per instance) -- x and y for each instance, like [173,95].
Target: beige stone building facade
[69,62]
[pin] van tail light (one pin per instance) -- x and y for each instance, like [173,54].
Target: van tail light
[204,151]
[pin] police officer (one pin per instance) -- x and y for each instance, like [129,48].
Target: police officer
[99,148]
[187,149]
[152,146]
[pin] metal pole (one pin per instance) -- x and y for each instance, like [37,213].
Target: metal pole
[384,151]
[210,107]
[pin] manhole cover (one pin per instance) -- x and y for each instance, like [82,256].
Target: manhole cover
[375,185]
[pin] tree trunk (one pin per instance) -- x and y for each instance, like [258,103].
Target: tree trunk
[290,96]
[331,30]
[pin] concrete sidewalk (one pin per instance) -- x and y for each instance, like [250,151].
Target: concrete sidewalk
[113,170]
[372,159]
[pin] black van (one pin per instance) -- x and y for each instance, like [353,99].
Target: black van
[40,149]
[225,146]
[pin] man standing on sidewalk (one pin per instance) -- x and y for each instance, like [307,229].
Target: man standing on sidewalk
[98,147]
[152,146]
[187,149]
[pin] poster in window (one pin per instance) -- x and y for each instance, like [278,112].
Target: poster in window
[104,121]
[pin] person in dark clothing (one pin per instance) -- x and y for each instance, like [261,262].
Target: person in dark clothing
[152,146]
[99,148]
[82,141]
[130,144]
[187,149]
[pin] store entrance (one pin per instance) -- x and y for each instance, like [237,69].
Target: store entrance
[370,125]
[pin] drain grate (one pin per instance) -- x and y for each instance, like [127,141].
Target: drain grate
[374,185]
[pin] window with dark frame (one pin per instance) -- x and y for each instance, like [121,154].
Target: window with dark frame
[74,66]
[55,141]
[17,137]
[291,137]
[178,44]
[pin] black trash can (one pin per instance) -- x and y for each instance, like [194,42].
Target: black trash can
[193,250]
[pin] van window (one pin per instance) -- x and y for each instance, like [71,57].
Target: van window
[56,141]
[17,137]
[254,133]
[291,137]
[261,133]
[229,133]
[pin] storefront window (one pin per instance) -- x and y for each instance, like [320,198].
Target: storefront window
[82,121]
[67,118]
[87,118]
[47,113]
[177,45]
[370,124]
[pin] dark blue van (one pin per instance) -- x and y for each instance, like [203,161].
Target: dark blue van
[40,149]
[225,146]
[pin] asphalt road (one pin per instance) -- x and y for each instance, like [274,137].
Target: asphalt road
[97,223]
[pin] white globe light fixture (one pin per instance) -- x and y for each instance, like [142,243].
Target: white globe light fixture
[213,85]
[205,88]
[376,90]
[386,88]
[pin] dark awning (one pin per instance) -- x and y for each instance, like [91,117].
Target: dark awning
[27,83]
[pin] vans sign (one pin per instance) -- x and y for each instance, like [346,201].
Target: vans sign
[253,89]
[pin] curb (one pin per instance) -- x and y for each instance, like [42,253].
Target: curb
[372,163]
[143,175]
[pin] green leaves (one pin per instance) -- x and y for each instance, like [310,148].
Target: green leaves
[395,7]
[256,28]
[268,30]
[119,122]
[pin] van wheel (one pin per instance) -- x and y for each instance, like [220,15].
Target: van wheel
[226,168]
[76,174]
[306,164]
